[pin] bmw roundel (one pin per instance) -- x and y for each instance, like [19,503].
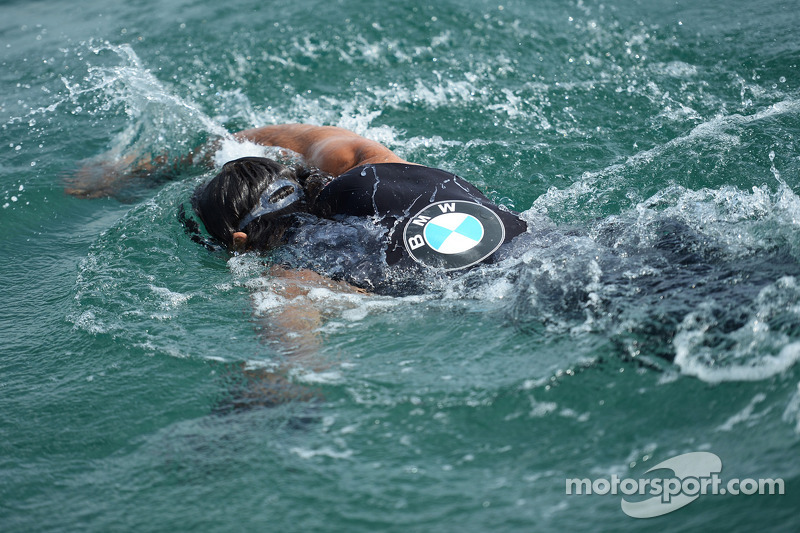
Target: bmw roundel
[453,234]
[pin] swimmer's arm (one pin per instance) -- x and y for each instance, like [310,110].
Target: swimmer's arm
[331,149]
[295,325]
[110,174]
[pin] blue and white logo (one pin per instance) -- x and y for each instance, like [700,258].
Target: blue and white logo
[453,234]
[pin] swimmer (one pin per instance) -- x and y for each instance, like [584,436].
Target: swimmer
[428,221]
[432,217]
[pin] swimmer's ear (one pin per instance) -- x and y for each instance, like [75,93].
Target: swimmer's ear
[239,241]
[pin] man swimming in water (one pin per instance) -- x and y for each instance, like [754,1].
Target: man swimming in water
[432,218]
[423,219]
[355,215]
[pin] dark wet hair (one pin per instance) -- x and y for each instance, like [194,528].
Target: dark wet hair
[227,199]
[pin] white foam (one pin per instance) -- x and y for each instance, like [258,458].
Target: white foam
[745,415]
[316,376]
[696,360]
[792,412]
[676,69]
[246,267]
[88,322]
[231,149]
[751,353]
[714,130]
[737,222]
[258,364]
[266,301]
[170,299]
[375,304]
[541,409]
[325,451]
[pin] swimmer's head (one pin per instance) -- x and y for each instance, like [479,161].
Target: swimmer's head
[249,203]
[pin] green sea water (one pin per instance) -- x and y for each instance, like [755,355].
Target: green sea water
[655,310]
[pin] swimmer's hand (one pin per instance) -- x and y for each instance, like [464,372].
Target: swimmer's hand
[98,178]
[108,175]
[117,176]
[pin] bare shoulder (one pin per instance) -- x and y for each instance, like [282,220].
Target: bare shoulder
[332,149]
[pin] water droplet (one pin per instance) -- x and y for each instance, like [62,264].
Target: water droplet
[771,155]
[782,79]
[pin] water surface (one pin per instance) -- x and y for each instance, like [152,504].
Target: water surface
[653,310]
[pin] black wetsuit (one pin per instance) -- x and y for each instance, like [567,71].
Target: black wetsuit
[431,214]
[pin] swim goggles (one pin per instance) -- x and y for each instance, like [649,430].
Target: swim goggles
[278,195]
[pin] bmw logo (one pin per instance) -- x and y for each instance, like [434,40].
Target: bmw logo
[453,234]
